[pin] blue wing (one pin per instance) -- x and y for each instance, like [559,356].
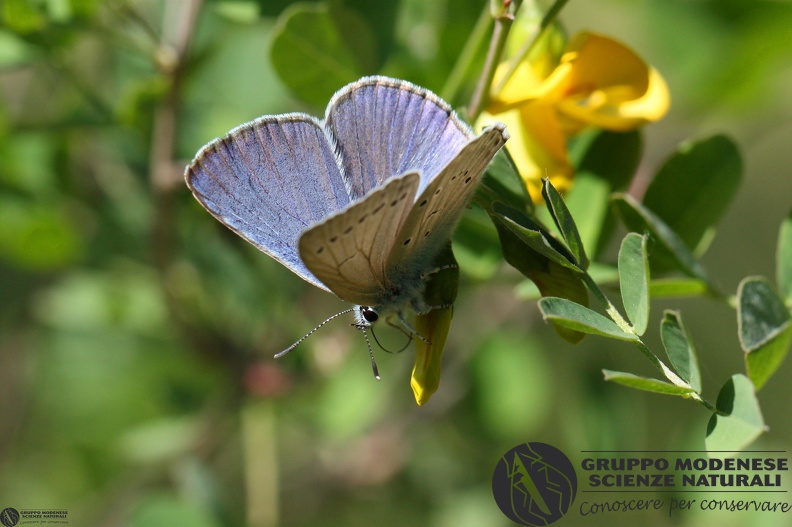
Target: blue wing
[268,181]
[386,127]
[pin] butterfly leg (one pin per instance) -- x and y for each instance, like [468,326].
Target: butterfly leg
[396,326]
[411,329]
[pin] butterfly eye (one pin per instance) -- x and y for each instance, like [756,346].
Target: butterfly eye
[369,314]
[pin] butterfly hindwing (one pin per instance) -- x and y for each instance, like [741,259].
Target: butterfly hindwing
[268,181]
[348,250]
[438,208]
[382,128]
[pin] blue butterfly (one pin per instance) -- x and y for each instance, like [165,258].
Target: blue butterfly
[359,204]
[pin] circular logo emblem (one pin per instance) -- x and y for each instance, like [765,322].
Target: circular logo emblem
[534,484]
[9,517]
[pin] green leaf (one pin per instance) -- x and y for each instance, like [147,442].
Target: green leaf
[318,49]
[634,280]
[692,190]
[646,383]
[761,313]
[680,350]
[533,235]
[598,272]
[677,287]
[739,419]
[565,223]
[638,218]
[530,253]
[569,314]
[605,163]
[784,259]
[763,362]
[765,329]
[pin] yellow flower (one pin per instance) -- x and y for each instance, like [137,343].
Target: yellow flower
[597,82]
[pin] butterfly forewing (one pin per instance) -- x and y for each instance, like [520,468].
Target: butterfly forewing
[268,181]
[348,251]
[438,208]
[383,128]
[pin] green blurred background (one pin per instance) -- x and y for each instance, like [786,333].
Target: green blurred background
[136,332]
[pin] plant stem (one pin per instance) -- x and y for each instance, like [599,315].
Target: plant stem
[530,42]
[706,404]
[609,307]
[500,32]
[625,326]
[667,372]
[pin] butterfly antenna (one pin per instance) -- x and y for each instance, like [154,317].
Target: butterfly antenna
[371,353]
[287,350]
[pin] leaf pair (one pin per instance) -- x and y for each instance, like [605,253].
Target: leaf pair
[555,268]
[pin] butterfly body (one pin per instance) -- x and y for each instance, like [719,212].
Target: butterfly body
[358,204]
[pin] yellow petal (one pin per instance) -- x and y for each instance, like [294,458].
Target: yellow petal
[537,146]
[601,82]
[434,327]
[540,61]
[441,290]
[521,88]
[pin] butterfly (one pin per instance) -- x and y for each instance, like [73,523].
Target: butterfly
[358,204]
